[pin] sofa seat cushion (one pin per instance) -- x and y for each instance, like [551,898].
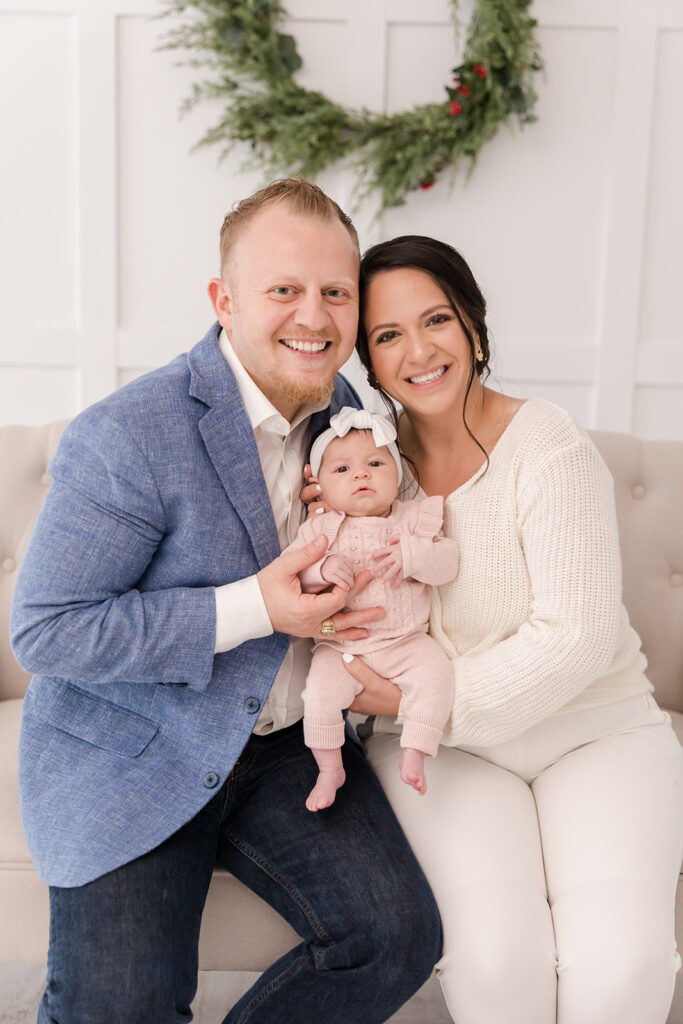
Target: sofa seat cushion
[13,848]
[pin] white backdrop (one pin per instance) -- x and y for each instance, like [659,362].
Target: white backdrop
[109,225]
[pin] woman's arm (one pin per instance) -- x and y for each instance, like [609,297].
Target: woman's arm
[567,529]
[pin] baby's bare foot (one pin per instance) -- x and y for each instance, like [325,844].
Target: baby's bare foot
[412,769]
[325,789]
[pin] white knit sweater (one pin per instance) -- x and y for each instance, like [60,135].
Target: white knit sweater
[534,623]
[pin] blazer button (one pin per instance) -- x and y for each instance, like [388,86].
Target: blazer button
[210,780]
[252,705]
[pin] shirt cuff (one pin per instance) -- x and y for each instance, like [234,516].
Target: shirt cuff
[240,614]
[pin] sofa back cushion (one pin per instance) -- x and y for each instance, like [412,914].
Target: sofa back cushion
[648,487]
[24,456]
[648,478]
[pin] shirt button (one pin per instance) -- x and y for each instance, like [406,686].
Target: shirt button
[638,491]
[251,705]
[210,780]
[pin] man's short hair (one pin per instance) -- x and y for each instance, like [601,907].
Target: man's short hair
[297,194]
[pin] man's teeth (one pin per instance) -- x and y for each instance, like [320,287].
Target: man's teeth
[428,376]
[304,346]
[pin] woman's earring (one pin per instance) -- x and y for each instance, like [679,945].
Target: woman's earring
[478,353]
[372,380]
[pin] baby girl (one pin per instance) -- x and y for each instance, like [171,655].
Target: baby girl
[358,467]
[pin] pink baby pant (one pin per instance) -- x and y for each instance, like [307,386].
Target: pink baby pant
[415,663]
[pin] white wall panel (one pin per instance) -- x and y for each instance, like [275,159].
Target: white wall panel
[658,412]
[530,219]
[171,202]
[575,398]
[38,212]
[109,223]
[436,46]
[34,395]
[323,47]
[661,320]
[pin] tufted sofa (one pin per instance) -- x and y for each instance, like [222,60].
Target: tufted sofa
[239,932]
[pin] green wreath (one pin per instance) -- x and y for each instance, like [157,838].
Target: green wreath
[300,131]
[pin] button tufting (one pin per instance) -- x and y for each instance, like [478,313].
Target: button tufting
[638,491]
[9,565]
[676,579]
[46,479]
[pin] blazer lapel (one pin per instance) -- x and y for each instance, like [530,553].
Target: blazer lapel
[231,446]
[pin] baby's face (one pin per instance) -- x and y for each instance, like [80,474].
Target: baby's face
[357,477]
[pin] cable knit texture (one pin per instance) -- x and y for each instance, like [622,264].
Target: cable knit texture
[428,558]
[534,622]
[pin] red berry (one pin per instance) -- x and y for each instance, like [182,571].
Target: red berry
[455,108]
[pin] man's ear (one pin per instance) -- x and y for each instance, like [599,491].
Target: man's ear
[221,301]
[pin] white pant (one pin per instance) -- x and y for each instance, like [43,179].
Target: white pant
[554,860]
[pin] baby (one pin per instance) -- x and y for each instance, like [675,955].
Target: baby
[358,467]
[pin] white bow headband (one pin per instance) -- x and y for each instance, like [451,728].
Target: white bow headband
[383,434]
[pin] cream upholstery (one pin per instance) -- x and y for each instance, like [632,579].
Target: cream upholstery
[239,932]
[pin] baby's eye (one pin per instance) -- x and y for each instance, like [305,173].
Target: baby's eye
[376,462]
[341,469]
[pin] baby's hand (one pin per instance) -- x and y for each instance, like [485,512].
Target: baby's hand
[389,568]
[338,570]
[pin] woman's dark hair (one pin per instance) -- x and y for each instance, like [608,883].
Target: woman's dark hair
[450,272]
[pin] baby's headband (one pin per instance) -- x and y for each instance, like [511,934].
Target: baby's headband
[348,418]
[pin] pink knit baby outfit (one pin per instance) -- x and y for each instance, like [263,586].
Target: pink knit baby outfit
[397,646]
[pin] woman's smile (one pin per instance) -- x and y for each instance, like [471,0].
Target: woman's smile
[416,342]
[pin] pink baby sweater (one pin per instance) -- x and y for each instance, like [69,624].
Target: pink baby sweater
[429,559]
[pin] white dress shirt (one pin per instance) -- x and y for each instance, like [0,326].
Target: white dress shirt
[240,609]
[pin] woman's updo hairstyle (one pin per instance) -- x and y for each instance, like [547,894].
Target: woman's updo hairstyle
[450,271]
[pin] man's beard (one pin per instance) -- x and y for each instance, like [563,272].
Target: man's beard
[299,392]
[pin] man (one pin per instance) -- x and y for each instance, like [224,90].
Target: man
[156,613]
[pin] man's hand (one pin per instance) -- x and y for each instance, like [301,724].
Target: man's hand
[291,611]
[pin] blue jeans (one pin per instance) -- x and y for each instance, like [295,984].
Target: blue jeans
[123,948]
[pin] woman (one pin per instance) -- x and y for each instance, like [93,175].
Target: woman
[552,829]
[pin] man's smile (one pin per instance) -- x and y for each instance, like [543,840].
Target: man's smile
[304,344]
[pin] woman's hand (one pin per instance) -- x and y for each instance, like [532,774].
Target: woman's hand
[379,695]
[311,493]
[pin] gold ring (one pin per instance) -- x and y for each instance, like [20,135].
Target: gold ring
[327,627]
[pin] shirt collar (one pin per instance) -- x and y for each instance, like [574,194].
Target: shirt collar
[260,410]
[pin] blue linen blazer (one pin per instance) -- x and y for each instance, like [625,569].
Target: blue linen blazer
[131,722]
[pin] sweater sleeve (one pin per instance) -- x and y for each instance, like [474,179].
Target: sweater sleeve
[428,556]
[567,527]
[328,524]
